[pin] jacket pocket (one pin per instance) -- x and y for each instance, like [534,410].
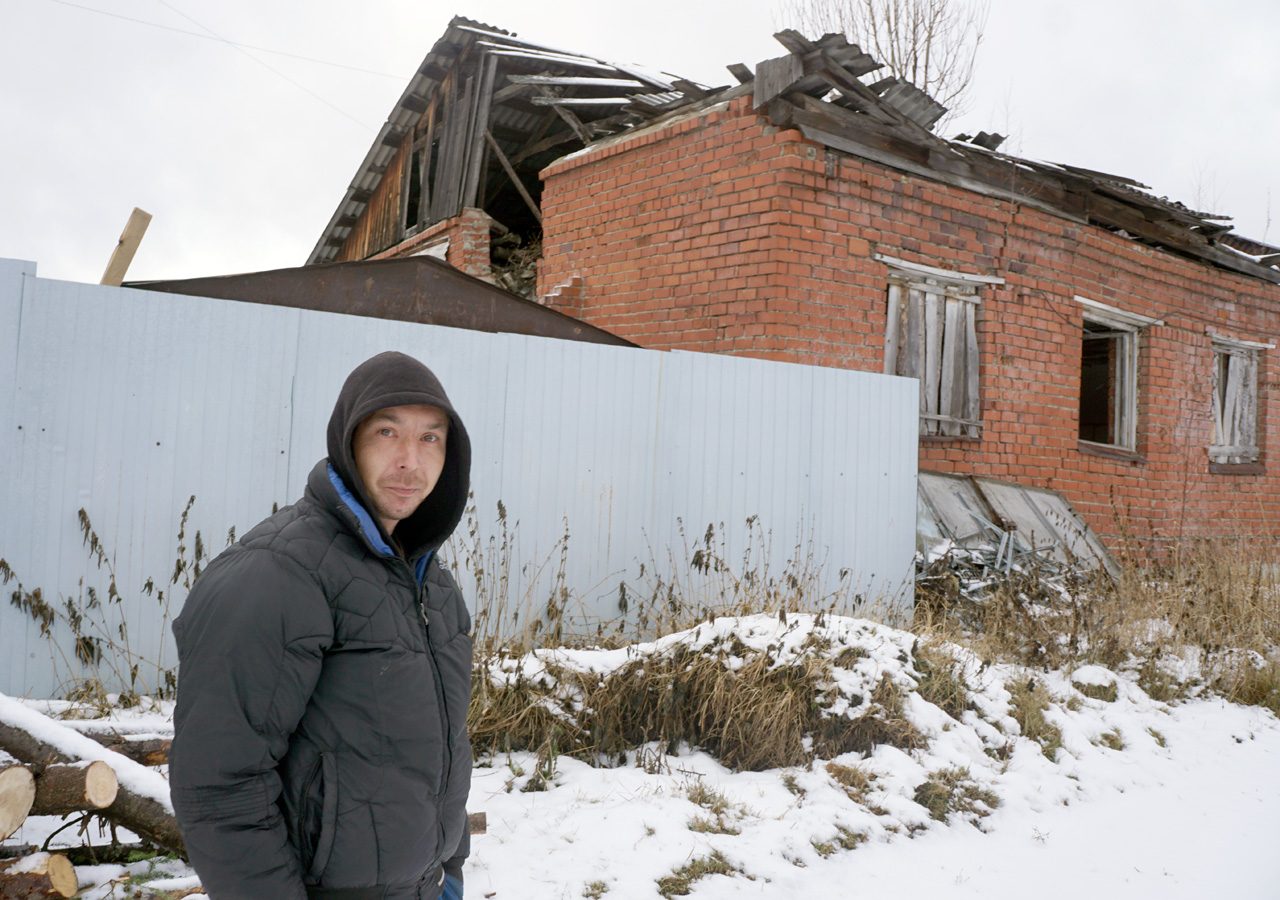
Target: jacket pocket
[325,784]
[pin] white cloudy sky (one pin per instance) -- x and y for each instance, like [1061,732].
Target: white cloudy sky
[242,155]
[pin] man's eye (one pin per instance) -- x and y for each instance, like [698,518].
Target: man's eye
[431,438]
[385,432]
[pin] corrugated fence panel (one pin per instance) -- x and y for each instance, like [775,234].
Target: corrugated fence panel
[125,403]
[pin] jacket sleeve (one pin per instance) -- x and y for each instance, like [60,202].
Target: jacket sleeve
[251,638]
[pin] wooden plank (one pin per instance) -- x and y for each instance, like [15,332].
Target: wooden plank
[1249,415]
[428,150]
[458,121]
[533,137]
[774,77]
[582,102]
[893,328]
[544,144]
[909,359]
[741,72]
[406,178]
[575,81]
[126,247]
[910,363]
[477,163]
[1220,361]
[515,179]
[570,119]
[444,143]
[1126,397]
[934,312]
[951,375]
[973,396]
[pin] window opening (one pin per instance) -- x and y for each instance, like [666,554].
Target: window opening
[413,202]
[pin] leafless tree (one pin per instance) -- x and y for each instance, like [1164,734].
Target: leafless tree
[931,43]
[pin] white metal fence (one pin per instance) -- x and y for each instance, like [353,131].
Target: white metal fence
[125,403]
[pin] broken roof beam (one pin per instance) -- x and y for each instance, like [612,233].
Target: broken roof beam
[579,101]
[507,39]
[524,84]
[650,78]
[775,77]
[583,133]
[575,81]
[580,62]
[834,46]
[515,178]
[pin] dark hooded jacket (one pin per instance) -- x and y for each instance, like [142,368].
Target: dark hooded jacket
[320,734]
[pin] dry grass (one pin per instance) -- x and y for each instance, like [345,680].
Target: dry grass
[845,838]
[1112,740]
[1218,601]
[1030,700]
[1253,684]
[1212,595]
[751,715]
[680,882]
[953,791]
[1105,692]
[941,680]
[856,781]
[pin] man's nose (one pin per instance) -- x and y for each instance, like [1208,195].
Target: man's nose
[405,457]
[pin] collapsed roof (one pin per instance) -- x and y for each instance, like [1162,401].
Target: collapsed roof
[486,111]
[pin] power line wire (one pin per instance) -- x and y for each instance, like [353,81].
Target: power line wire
[299,85]
[237,44]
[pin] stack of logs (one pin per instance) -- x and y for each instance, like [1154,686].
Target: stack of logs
[38,779]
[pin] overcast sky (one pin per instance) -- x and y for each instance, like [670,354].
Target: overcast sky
[242,155]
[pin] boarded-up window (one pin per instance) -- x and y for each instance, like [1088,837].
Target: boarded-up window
[932,335]
[1235,403]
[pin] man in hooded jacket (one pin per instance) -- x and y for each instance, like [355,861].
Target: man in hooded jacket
[320,747]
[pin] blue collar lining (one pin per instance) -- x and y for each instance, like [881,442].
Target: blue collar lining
[367,525]
[370,528]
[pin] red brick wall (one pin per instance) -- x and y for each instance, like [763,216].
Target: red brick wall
[720,233]
[468,236]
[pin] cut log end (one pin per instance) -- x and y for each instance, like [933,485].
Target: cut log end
[17,793]
[62,789]
[39,875]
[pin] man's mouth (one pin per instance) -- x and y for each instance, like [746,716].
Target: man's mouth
[401,491]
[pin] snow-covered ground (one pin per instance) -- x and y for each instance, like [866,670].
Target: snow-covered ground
[1144,799]
[1198,819]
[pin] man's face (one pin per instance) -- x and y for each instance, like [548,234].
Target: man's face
[399,454]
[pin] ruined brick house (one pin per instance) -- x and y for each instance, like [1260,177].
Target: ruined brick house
[1069,330]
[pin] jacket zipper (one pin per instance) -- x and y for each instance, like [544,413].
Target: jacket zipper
[447,755]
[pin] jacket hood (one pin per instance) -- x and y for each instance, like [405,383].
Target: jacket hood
[394,379]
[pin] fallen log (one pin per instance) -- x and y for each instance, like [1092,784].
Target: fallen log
[38,876]
[144,751]
[142,802]
[17,792]
[75,787]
